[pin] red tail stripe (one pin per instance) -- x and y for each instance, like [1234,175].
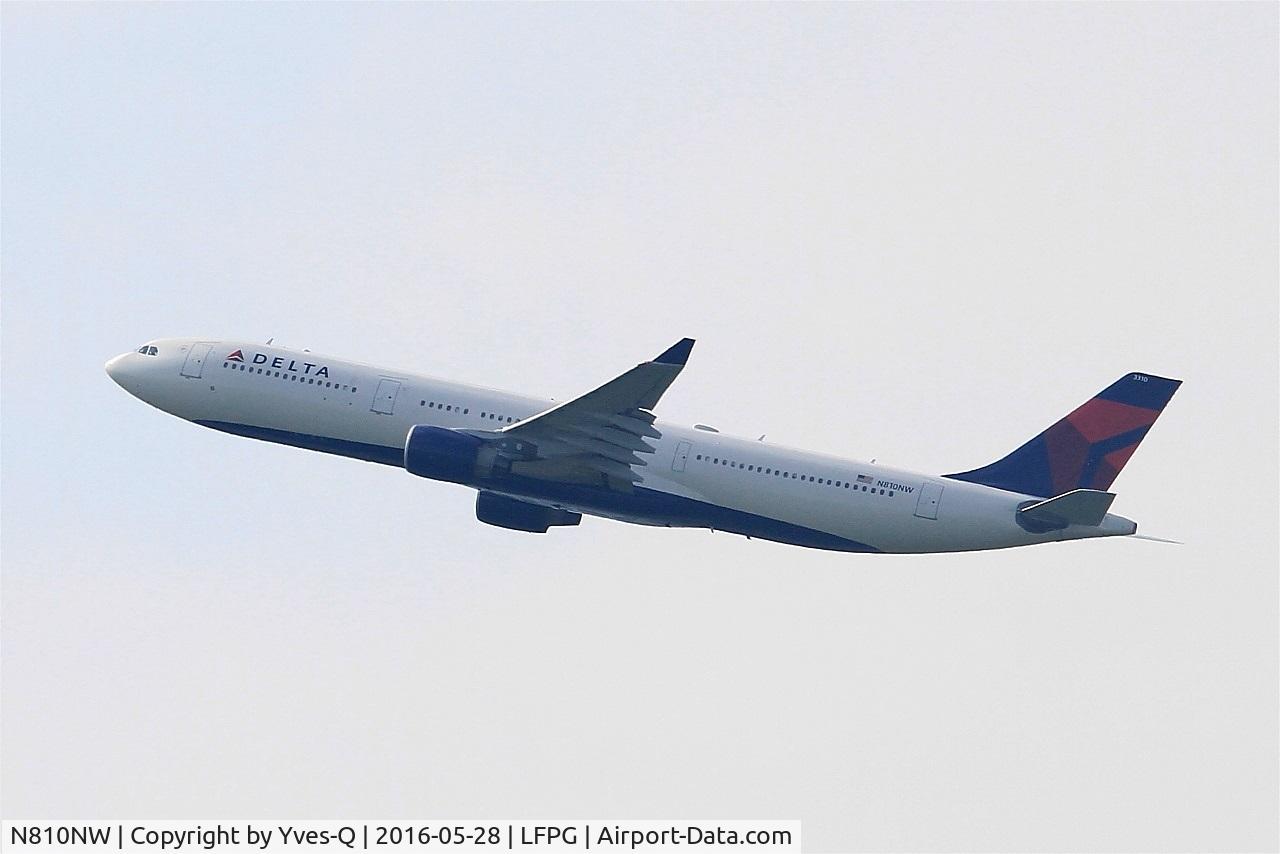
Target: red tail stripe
[1101,419]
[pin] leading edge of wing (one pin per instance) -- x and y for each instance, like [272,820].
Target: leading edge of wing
[605,428]
[637,389]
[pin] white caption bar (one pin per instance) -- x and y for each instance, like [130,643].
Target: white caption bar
[227,837]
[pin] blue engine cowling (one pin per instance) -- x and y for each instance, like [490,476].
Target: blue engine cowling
[441,454]
[517,515]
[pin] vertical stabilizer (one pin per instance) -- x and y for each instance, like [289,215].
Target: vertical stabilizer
[1088,448]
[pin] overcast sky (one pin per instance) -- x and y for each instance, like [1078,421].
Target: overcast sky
[915,233]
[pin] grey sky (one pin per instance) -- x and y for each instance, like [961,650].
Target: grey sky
[918,233]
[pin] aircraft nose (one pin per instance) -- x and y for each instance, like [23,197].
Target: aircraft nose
[124,369]
[114,366]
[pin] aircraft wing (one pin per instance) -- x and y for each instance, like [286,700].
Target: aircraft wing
[602,432]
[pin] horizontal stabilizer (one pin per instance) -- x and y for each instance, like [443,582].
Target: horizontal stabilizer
[1077,507]
[1156,539]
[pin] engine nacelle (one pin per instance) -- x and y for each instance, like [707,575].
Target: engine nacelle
[495,509]
[441,454]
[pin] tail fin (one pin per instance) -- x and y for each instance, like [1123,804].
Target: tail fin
[1088,448]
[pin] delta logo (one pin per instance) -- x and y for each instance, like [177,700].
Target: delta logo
[311,369]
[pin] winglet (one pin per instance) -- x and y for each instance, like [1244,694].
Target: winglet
[678,353]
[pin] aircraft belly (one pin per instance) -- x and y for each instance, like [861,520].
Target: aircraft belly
[238,402]
[971,519]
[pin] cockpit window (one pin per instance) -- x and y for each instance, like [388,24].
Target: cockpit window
[148,350]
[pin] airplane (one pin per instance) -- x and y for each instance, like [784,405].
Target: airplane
[537,464]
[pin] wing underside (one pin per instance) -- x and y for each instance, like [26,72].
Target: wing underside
[602,436]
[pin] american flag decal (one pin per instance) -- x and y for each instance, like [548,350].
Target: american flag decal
[865,478]
[236,356]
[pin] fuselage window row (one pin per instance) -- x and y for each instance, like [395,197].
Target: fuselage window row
[290,377]
[769,470]
[449,407]
[285,375]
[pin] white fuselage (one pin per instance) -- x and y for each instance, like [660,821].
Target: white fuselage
[695,477]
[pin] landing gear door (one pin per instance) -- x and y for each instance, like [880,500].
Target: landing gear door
[682,456]
[384,399]
[194,365]
[930,497]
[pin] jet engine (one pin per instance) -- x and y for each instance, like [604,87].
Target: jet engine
[441,454]
[505,512]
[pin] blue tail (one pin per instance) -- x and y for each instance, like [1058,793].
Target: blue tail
[1088,448]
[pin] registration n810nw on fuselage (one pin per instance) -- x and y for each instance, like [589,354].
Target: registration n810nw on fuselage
[537,464]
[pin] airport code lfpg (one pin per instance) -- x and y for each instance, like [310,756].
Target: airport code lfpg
[394,836]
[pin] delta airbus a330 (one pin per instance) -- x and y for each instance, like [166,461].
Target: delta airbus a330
[536,464]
